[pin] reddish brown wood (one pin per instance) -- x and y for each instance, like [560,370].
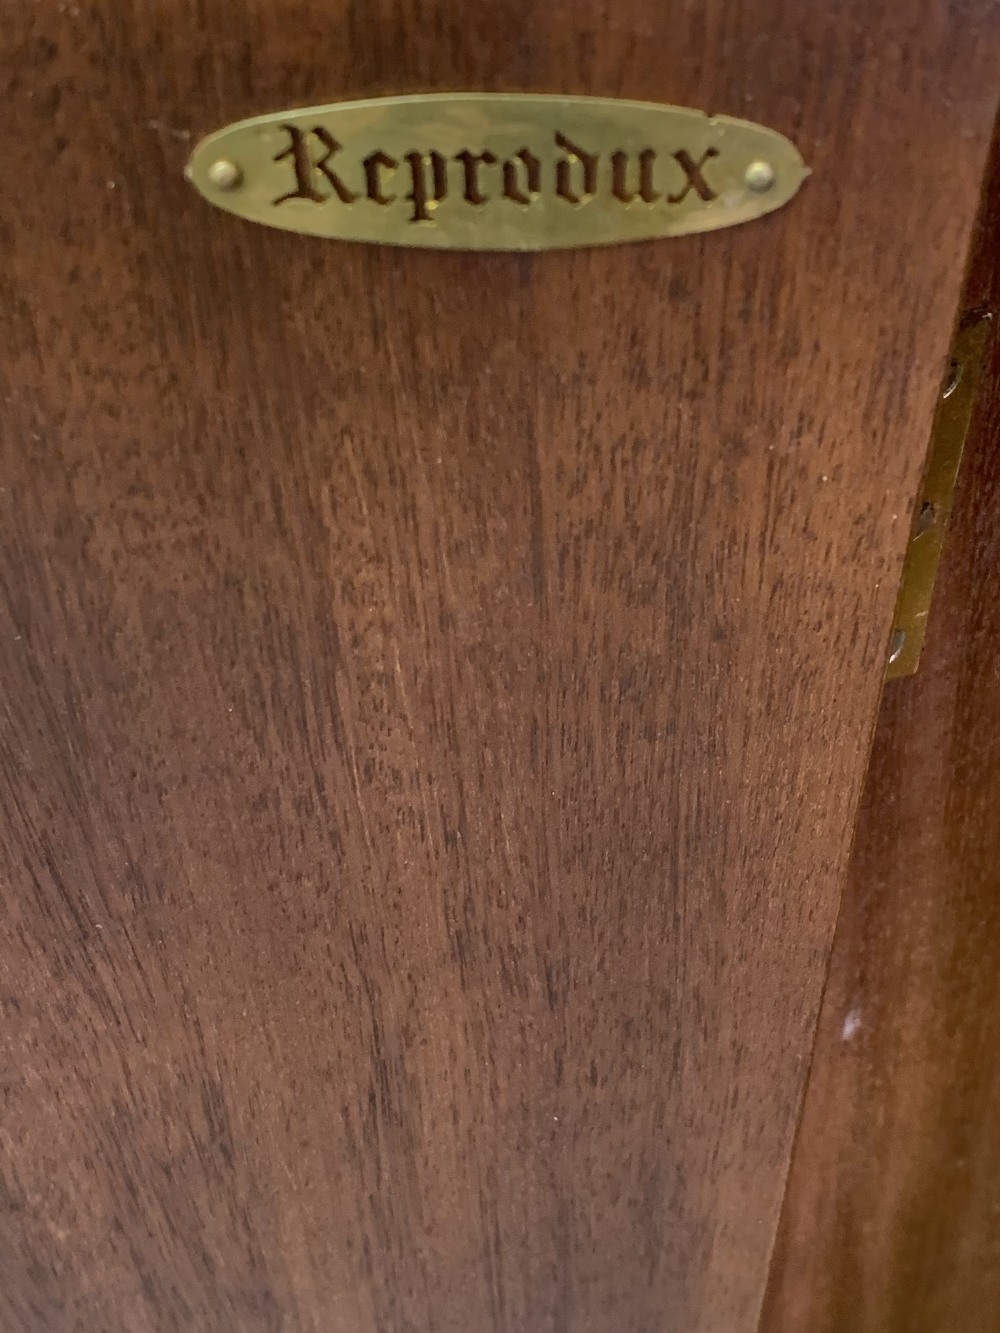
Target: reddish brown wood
[892,1221]
[437,688]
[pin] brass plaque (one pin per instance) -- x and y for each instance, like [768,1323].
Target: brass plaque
[481,171]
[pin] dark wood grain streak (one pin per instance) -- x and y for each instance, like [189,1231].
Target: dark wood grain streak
[437,688]
[892,1221]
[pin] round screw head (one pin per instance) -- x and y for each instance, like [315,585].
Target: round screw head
[225,175]
[760,176]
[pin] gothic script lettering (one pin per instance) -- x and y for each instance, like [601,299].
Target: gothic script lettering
[576,175]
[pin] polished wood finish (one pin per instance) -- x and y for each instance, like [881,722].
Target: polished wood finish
[437,688]
[892,1221]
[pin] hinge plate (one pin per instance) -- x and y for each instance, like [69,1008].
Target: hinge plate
[930,524]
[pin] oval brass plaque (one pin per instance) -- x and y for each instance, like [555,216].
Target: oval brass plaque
[480,171]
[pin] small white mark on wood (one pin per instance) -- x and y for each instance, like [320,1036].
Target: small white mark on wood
[161,127]
[852,1025]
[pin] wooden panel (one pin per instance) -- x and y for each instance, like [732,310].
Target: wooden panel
[437,688]
[891,1221]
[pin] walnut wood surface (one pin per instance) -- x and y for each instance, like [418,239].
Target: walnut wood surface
[892,1220]
[437,688]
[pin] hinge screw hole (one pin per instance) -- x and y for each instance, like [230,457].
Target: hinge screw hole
[926,518]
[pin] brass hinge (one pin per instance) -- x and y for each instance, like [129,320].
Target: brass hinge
[930,524]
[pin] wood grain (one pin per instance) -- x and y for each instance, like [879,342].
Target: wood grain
[437,688]
[892,1221]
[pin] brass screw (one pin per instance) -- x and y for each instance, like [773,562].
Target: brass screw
[225,175]
[760,176]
